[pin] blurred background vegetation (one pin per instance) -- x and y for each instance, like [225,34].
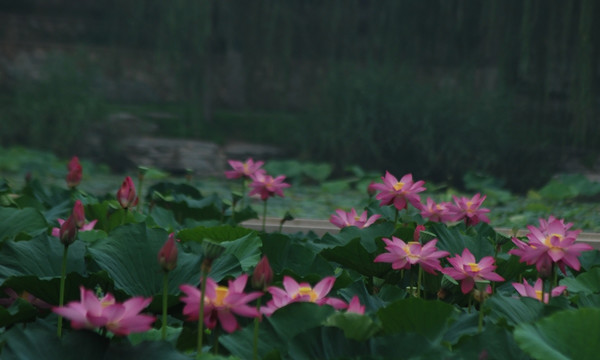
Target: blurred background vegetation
[436,88]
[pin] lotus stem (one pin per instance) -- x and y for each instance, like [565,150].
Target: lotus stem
[255,341]
[480,321]
[201,314]
[164,304]
[264,215]
[61,298]
[419,276]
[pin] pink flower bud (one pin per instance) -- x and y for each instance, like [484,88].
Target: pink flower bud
[79,214]
[167,255]
[75,172]
[417,233]
[126,196]
[371,191]
[262,275]
[68,231]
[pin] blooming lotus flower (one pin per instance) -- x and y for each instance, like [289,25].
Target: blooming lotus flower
[267,186]
[85,227]
[403,255]
[354,306]
[74,172]
[301,292]
[342,219]
[30,298]
[262,276]
[552,242]
[468,270]
[167,255]
[399,193]
[244,169]
[220,303]
[436,212]
[126,196]
[469,210]
[118,318]
[535,291]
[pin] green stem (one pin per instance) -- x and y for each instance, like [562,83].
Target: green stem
[264,215]
[164,304]
[61,299]
[419,276]
[555,278]
[480,321]
[140,197]
[216,345]
[256,322]
[201,314]
[396,217]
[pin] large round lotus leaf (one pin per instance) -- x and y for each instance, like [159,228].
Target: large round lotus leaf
[569,334]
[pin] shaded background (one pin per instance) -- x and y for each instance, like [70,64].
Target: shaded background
[436,88]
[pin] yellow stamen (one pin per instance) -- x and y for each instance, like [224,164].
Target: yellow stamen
[220,294]
[399,185]
[408,252]
[307,290]
[474,267]
[538,294]
[547,241]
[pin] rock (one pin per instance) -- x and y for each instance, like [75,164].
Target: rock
[241,151]
[175,155]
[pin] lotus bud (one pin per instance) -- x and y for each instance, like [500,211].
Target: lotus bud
[371,191]
[68,231]
[75,172]
[79,214]
[262,275]
[126,196]
[167,255]
[417,233]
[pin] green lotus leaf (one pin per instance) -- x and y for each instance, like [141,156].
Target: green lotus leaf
[41,257]
[567,334]
[129,256]
[425,317]
[27,221]
[586,283]
[355,326]
[513,310]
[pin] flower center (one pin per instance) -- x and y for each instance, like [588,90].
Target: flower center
[538,294]
[307,290]
[409,253]
[547,239]
[399,185]
[220,294]
[474,267]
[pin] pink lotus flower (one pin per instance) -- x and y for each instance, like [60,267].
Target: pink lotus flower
[403,255]
[78,215]
[30,298]
[535,291]
[220,303]
[552,242]
[342,219]
[436,212]
[86,227]
[354,306]
[167,255]
[466,269]
[118,318]
[267,186]
[294,292]
[74,172]
[400,192]
[469,210]
[126,195]
[244,169]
